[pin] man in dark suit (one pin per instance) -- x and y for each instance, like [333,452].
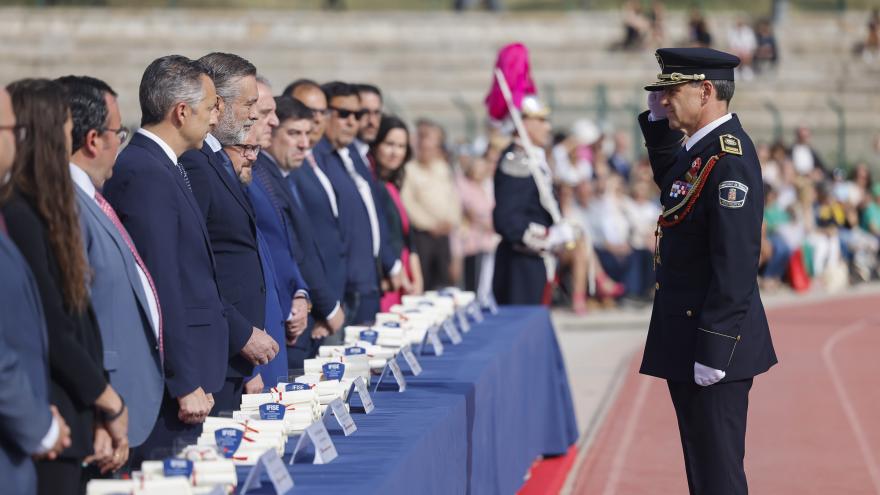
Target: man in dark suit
[709,335]
[231,226]
[151,195]
[370,255]
[29,426]
[320,201]
[124,295]
[284,150]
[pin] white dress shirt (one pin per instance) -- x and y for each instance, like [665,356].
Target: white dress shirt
[162,144]
[325,182]
[706,129]
[366,193]
[82,180]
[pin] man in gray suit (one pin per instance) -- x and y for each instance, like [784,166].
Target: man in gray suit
[123,294]
[29,426]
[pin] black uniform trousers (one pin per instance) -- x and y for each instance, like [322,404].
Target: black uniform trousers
[712,424]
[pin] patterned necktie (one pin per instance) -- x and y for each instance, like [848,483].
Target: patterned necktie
[111,214]
[366,194]
[182,172]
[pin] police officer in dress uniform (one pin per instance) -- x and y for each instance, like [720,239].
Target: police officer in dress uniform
[523,217]
[708,335]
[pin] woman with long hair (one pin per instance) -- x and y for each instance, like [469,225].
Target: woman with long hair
[40,209]
[388,155]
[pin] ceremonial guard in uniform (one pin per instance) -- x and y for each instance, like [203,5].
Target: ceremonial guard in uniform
[708,335]
[526,213]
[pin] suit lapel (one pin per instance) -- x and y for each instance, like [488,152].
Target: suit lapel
[231,185]
[171,167]
[89,207]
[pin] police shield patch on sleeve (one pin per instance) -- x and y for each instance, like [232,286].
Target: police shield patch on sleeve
[730,144]
[732,194]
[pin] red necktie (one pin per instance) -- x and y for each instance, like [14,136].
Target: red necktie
[111,214]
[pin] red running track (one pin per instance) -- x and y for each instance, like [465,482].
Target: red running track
[814,419]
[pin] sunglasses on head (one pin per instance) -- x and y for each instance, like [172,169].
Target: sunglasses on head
[344,114]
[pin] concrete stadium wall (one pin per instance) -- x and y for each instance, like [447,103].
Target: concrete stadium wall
[439,64]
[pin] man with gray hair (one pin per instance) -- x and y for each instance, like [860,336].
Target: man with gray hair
[150,195]
[231,224]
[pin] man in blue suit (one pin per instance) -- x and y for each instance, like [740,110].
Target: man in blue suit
[151,195]
[231,225]
[28,424]
[319,200]
[370,255]
[284,147]
[123,293]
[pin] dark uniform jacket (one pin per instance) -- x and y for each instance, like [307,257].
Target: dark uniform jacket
[520,275]
[707,307]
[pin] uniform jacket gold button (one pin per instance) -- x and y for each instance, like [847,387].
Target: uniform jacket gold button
[689,313]
[657,286]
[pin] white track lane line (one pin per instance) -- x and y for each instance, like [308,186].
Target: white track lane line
[629,433]
[846,402]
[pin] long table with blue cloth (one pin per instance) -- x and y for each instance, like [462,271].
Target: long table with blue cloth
[472,422]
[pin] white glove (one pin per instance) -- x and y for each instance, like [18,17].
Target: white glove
[560,234]
[705,376]
[658,111]
[535,237]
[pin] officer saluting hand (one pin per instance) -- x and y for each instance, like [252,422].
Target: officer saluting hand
[708,335]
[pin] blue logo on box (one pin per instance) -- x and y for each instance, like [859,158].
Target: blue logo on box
[272,411]
[293,387]
[333,371]
[177,467]
[228,440]
[391,324]
[370,336]
[355,351]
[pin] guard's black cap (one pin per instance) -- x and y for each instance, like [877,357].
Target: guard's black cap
[681,65]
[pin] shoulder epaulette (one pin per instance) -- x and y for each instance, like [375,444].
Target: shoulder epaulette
[731,144]
[515,163]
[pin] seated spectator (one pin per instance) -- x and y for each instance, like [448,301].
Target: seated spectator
[766,52]
[829,264]
[636,27]
[587,274]
[619,160]
[869,47]
[657,16]
[805,158]
[632,266]
[870,220]
[574,156]
[775,216]
[742,42]
[698,30]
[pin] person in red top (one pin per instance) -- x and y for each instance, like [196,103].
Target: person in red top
[387,156]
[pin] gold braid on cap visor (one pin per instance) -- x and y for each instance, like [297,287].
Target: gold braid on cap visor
[678,76]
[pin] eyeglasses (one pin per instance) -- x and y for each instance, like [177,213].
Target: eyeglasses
[319,111]
[18,130]
[121,132]
[344,114]
[248,150]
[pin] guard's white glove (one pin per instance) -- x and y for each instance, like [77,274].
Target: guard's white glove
[705,376]
[560,234]
[658,111]
[535,237]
